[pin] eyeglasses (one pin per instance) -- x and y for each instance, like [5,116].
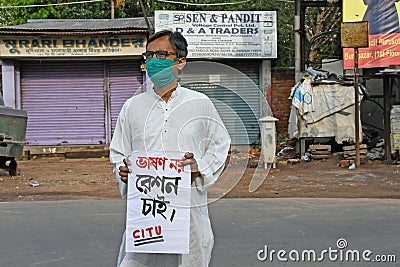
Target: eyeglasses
[159,54]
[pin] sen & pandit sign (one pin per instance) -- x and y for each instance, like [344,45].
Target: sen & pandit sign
[220,34]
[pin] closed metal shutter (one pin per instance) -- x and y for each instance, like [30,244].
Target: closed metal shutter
[64,102]
[234,92]
[125,80]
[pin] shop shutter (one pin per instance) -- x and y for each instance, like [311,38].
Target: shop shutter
[64,102]
[125,80]
[235,95]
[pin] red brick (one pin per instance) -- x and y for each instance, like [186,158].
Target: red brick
[282,81]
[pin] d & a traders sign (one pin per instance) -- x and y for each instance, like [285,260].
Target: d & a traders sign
[220,34]
[158,208]
[72,46]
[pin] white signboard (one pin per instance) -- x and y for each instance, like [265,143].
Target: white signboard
[223,34]
[158,208]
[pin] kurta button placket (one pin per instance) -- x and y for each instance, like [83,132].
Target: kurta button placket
[166,116]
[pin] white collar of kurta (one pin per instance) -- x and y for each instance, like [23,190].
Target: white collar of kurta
[175,93]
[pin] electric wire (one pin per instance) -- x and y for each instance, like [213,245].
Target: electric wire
[59,4]
[209,4]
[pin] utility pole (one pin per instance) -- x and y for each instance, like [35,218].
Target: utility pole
[355,35]
[149,26]
[112,9]
[357,106]
[297,39]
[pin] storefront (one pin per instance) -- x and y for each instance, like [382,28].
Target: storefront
[72,77]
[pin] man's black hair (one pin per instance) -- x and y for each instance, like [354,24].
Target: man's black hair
[178,42]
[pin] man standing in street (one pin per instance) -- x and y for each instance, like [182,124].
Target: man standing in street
[172,118]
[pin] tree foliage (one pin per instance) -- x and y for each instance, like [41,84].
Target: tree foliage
[15,16]
[322,34]
[19,15]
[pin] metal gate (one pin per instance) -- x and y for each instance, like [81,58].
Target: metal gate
[64,101]
[125,80]
[233,86]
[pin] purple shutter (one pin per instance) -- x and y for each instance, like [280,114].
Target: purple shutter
[64,102]
[125,80]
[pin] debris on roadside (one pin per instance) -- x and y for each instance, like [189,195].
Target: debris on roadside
[254,157]
[352,166]
[350,152]
[254,153]
[344,163]
[376,153]
[293,161]
[320,151]
[33,183]
[287,153]
[306,157]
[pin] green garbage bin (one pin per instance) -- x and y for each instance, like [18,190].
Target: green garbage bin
[12,137]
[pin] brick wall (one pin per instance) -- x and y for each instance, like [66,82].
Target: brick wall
[283,80]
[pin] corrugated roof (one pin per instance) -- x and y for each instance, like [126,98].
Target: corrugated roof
[75,26]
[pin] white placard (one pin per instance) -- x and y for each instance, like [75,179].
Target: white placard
[223,34]
[158,208]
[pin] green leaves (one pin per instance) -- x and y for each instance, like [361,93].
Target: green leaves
[14,15]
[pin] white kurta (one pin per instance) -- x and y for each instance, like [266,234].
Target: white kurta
[188,122]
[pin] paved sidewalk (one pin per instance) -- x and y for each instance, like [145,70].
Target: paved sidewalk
[92,178]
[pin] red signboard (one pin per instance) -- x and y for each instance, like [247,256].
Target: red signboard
[383,51]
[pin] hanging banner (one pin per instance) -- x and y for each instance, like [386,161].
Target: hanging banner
[384,32]
[223,34]
[158,208]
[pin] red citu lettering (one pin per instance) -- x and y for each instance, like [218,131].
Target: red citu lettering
[135,235]
[149,231]
[142,234]
[158,230]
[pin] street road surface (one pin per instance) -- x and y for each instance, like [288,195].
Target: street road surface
[248,232]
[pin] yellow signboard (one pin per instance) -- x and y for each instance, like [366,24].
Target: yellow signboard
[72,46]
[384,32]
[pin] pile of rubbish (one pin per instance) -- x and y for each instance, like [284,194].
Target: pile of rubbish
[323,106]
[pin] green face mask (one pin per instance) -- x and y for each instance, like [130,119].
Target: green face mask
[160,71]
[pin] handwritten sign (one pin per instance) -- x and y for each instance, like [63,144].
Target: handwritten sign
[158,209]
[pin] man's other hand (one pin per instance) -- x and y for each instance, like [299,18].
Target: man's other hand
[124,171]
[188,159]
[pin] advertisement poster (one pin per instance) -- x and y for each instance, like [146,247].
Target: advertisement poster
[158,205]
[384,32]
[223,34]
